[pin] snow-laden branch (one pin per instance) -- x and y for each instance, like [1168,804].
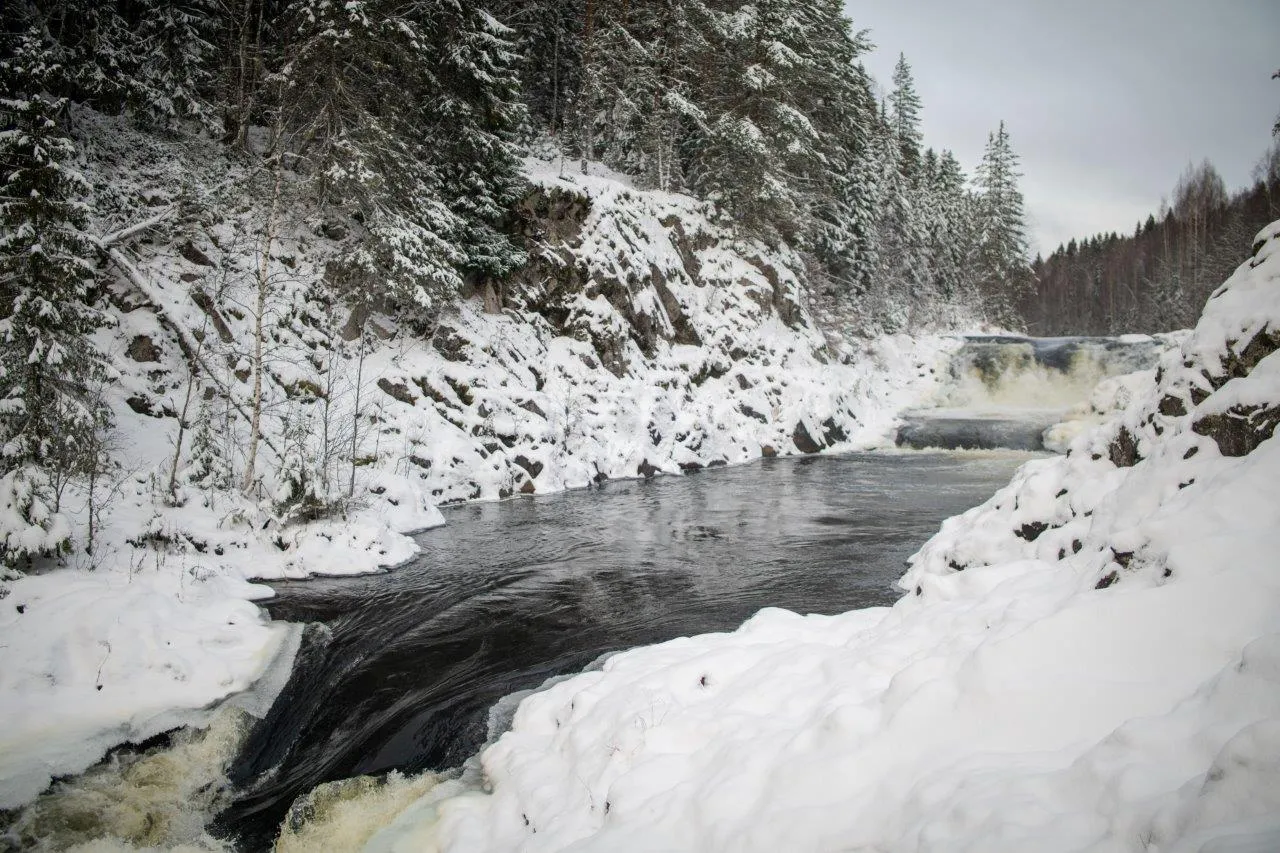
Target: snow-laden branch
[124,234]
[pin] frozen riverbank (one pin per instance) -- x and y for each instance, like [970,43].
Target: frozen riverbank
[1090,660]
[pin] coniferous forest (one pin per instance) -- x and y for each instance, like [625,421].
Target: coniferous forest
[336,296]
[406,123]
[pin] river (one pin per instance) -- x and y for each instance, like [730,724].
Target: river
[508,594]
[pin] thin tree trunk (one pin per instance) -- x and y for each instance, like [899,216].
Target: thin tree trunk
[264,258]
[355,417]
[586,100]
[182,429]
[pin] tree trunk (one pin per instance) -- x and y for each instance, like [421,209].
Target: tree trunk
[263,281]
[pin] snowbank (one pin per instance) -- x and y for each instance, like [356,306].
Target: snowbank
[1090,660]
[94,659]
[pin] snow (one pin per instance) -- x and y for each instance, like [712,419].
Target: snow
[93,659]
[1090,660]
[159,624]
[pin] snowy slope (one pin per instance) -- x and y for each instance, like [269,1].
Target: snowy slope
[1090,660]
[642,339]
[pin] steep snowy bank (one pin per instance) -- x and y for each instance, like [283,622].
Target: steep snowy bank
[642,338]
[1091,660]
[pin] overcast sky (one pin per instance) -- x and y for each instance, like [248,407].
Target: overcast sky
[1106,101]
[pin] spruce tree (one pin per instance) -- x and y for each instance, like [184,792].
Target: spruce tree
[469,121]
[353,77]
[1002,272]
[760,144]
[951,233]
[49,421]
[844,184]
[549,49]
[904,118]
[173,74]
[903,264]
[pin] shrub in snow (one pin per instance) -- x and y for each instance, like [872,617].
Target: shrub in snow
[29,526]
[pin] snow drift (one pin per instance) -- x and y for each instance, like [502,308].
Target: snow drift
[1090,660]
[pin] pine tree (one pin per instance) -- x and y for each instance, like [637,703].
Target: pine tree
[176,56]
[904,118]
[1002,272]
[469,122]
[49,422]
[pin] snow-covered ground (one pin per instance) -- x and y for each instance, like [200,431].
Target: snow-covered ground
[643,340]
[1088,661]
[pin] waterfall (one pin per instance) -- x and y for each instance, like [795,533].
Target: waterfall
[1005,391]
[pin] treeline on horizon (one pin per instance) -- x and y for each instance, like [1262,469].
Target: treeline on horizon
[1160,276]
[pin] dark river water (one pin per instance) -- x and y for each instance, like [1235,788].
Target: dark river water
[508,594]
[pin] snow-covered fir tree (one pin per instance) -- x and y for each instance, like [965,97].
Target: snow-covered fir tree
[176,44]
[349,69]
[50,417]
[1002,267]
[904,118]
[469,120]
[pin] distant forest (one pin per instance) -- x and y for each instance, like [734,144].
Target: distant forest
[1159,276]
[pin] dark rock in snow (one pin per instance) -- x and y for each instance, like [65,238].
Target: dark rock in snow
[803,441]
[533,409]
[832,432]
[532,467]
[1240,429]
[143,349]
[189,251]
[450,344]
[398,390]
[1172,406]
[205,303]
[1123,451]
[141,405]
[1031,530]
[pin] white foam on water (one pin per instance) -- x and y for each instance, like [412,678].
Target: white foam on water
[1008,375]
[160,798]
[344,815]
